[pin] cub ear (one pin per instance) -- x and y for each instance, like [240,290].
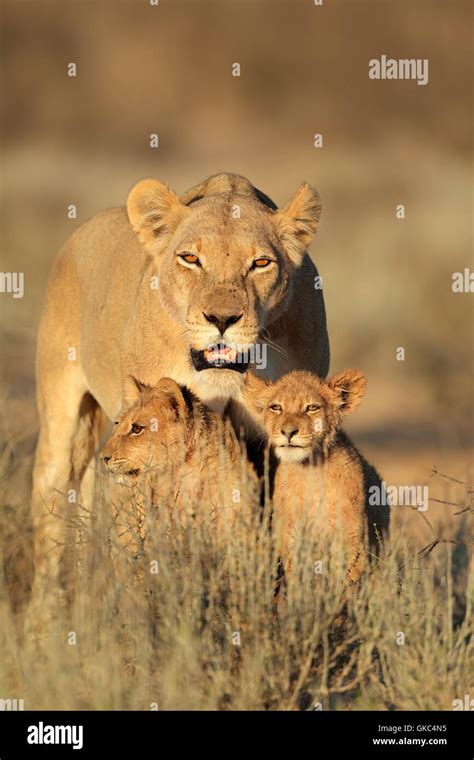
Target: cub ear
[154,211]
[133,389]
[177,396]
[350,386]
[298,220]
[255,391]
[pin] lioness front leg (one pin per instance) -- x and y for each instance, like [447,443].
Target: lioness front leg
[65,447]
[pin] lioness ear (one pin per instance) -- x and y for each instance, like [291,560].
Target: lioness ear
[154,211]
[133,389]
[297,221]
[350,386]
[255,391]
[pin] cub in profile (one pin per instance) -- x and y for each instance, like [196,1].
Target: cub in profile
[172,452]
[322,481]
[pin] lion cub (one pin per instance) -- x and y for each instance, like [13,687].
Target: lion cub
[174,452]
[321,481]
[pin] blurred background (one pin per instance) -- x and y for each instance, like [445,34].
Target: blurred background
[167,69]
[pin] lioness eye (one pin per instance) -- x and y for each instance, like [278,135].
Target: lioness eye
[190,258]
[136,429]
[261,263]
[275,407]
[313,408]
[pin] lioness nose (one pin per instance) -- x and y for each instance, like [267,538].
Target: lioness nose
[106,460]
[289,431]
[222,321]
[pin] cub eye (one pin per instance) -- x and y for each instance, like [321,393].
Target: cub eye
[261,263]
[275,408]
[190,258]
[313,408]
[136,429]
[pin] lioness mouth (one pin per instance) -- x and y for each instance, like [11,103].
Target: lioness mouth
[219,356]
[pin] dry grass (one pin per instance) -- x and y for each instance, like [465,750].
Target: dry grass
[206,631]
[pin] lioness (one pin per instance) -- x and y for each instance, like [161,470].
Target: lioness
[322,481]
[176,454]
[175,287]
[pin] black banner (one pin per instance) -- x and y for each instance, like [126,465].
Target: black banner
[134,734]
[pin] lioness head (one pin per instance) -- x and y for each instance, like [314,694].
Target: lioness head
[157,428]
[300,413]
[224,259]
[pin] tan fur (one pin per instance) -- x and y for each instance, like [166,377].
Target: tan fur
[170,449]
[322,481]
[121,301]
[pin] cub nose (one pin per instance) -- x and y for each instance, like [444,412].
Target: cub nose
[289,431]
[106,459]
[222,321]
